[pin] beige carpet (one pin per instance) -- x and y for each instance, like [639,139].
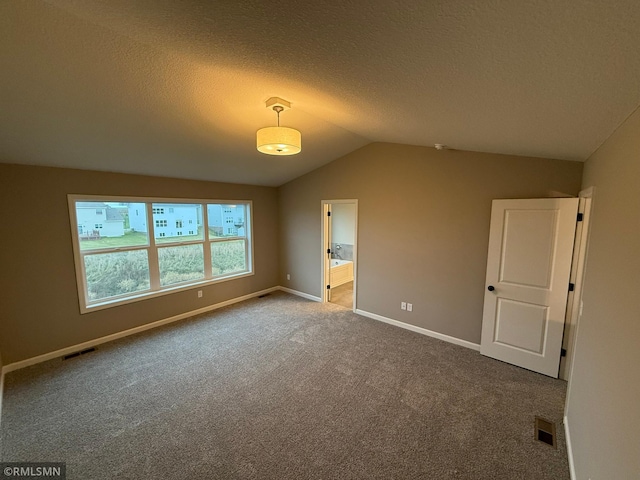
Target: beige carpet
[283,388]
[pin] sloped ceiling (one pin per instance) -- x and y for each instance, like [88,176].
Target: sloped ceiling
[177,88]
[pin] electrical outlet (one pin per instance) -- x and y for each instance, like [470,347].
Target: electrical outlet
[199,293]
[403,305]
[288,277]
[409,307]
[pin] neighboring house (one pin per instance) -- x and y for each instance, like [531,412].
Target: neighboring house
[170,219]
[137,217]
[226,220]
[97,219]
[176,219]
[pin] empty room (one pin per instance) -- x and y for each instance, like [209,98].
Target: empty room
[293,240]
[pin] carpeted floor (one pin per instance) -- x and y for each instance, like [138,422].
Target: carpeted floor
[283,388]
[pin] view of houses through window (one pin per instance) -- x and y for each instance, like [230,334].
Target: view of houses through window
[129,249]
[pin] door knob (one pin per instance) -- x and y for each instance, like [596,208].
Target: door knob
[491,288]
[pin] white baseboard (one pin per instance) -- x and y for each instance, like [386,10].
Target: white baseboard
[300,294]
[572,468]
[423,331]
[114,336]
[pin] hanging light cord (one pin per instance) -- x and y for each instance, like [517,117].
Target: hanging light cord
[278,109]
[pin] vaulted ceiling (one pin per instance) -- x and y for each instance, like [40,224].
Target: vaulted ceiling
[177,88]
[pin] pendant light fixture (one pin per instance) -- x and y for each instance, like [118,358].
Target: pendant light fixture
[278,140]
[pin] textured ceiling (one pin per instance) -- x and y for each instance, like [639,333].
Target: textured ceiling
[177,88]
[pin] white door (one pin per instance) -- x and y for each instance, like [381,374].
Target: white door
[528,267]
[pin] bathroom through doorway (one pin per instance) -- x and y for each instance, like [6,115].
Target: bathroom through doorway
[339,252]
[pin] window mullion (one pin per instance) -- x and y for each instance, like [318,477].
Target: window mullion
[154,267]
[208,269]
[248,237]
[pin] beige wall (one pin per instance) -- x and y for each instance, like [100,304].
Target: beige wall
[603,408]
[423,226]
[39,310]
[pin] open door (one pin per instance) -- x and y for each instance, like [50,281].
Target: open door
[326,249]
[527,283]
[339,252]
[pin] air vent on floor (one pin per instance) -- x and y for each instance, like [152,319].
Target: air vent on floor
[77,354]
[545,431]
[265,295]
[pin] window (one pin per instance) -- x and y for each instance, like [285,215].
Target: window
[230,247]
[98,212]
[131,259]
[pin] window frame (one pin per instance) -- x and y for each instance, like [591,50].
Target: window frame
[152,247]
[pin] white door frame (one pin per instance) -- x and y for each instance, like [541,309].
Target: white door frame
[326,243]
[326,252]
[578,268]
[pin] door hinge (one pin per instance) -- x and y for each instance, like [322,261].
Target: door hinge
[572,287]
[328,214]
[580,217]
[329,251]
[328,287]
[563,352]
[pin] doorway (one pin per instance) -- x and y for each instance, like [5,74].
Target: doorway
[339,252]
[578,266]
